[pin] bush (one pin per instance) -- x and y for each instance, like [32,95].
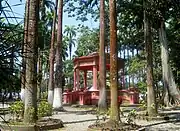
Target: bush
[44,109]
[17,109]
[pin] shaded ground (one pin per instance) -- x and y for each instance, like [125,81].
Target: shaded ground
[78,119]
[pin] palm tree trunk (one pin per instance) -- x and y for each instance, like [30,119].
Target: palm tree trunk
[133,75]
[40,59]
[51,59]
[57,102]
[114,115]
[30,113]
[70,46]
[39,71]
[11,87]
[102,105]
[129,75]
[151,100]
[23,72]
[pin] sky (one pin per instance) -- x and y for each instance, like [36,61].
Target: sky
[20,9]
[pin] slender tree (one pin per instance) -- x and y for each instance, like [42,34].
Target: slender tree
[102,105]
[151,100]
[23,72]
[51,59]
[30,113]
[39,72]
[57,102]
[114,115]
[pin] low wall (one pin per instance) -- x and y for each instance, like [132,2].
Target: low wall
[92,97]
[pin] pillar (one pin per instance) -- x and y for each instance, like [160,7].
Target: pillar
[77,79]
[94,77]
[85,79]
[74,80]
[123,78]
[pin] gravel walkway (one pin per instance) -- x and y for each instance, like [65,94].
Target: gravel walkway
[78,120]
[75,119]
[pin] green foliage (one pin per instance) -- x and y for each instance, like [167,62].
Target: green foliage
[142,86]
[136,66]
[143,105]
[44,109]
[88,41]
[17,109]
[10,44]
[68,73]
[131,116]
[44,95]
[81,9]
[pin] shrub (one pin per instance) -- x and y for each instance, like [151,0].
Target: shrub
[44,109]
[17,109]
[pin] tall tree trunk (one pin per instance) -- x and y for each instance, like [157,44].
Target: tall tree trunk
[129,76]
[137,52]
[151,99]
[39,71]
[51,59]
[172,94]
[133,75]
[41,47]
[124,52]
[57,102]
[11,87]
[30,113]
[114,115]
[24,52]
[124,69]
[43,10]
[70,46]
[102,105]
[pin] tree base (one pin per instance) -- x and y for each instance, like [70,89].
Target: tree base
[113,126]
[60,109]
[158,117]
[43,124]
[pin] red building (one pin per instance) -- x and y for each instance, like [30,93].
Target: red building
[85,95]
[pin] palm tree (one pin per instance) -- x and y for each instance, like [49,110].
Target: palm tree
[57,102]
[114,115]
[102,105]
[65,43]
[151,100]
[49,4]
[23,72]
[44,4]
[30,113]
[51,59]
[49,19]
[70,31]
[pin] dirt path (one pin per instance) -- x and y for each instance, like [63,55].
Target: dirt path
[76,119]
